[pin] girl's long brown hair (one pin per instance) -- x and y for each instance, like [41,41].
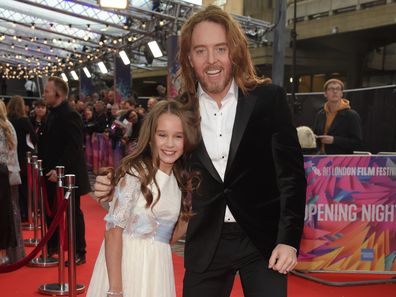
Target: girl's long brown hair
[5,126]
[143,162]
[243,69]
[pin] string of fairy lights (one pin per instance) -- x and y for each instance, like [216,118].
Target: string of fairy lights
[42,56]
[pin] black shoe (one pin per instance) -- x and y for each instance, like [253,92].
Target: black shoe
[79,260]
[52,252]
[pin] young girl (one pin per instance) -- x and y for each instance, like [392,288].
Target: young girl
[151,194]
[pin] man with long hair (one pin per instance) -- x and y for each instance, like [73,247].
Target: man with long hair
[249,207]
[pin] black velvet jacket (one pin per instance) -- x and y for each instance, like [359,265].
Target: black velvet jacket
[264,184]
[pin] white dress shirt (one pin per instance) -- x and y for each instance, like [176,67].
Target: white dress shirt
[216,127]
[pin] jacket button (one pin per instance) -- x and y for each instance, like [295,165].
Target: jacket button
[226,191]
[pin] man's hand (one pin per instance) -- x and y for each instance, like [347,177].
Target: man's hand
[326,139]
[52,177]
[283,258]
[103,187]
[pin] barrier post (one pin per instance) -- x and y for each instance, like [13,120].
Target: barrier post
[62,288]
[70,180]
[29,224]
[60,173]
[43,260]
[34,241]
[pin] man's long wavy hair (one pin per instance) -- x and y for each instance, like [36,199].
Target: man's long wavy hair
[143,162]
[243,69]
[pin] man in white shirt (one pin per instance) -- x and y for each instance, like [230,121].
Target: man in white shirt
[249,208]
[30,87]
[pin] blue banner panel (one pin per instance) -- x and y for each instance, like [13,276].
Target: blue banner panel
[173,84]
[86,86]
[122,79]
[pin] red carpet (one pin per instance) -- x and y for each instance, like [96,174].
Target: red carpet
[25,281]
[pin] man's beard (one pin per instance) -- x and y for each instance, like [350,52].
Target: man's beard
[214,87]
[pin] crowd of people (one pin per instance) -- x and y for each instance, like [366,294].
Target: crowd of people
[110,129]
[191,166]
[107,132]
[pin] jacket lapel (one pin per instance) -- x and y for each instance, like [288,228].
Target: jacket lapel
[244,110]
[203,155]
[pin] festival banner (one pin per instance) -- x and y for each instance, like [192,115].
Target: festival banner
[350,222]
[86,86]
[122,80]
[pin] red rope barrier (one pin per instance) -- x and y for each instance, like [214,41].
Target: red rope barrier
[36,250]
[50,212]
[29,178]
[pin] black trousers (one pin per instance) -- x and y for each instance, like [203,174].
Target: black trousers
[53,243]
[23,199]
[235,252]
[7,226]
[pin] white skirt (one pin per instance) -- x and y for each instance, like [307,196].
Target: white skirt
[147,270]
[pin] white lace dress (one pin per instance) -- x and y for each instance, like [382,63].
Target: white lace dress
[147,268]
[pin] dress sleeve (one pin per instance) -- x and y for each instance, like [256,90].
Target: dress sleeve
[126,195]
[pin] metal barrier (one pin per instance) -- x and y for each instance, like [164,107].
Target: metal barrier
[33,194]
[61,288]
[305,274]
[43,260]
[37,200]
[73,286]
[29,225]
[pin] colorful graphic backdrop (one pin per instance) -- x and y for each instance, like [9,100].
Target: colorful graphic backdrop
[350,222]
